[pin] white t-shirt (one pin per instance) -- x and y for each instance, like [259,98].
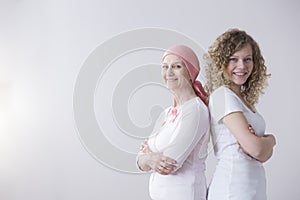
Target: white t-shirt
[238,176]
[185,139]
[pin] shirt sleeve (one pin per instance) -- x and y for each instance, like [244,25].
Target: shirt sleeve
[158,124]
[223,102]
[194,124]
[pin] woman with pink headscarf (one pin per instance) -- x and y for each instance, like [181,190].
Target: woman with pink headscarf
[176,150]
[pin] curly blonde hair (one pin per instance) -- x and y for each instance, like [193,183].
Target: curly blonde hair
[217,60]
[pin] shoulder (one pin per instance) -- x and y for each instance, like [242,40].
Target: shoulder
[223,94]
[195,107]
[194,103]
[222,102]
[222,91]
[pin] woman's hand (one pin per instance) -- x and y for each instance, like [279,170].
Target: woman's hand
[145,147]
[161,164]
[251,129]
[155,160]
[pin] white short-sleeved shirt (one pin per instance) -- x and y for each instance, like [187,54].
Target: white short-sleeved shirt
[184,139]
[238,176]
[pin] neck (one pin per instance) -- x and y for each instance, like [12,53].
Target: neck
[236,89]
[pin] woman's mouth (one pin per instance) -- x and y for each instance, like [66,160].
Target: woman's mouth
[240,73]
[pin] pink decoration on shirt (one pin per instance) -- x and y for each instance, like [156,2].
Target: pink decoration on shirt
[174,114]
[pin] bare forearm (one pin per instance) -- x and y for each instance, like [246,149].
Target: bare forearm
[261,148]
[266,150]
[266,156]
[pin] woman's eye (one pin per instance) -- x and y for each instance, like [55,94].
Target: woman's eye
[233,59]
[248,59]
[165,66]
[178,66]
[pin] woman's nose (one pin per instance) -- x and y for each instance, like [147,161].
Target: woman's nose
[170,70]
[241,63]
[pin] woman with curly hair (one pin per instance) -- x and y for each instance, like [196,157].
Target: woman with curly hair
[236,77]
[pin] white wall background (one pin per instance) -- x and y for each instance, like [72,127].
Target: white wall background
[42,47]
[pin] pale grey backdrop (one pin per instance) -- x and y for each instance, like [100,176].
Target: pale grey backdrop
[43,45]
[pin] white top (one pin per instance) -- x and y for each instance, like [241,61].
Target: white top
[184,139]
[238,176]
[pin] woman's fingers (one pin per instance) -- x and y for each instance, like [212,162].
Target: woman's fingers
[166,165]
[168,160]
[165,170]
[251,129]
[145,147]
[160,163]
[144,144]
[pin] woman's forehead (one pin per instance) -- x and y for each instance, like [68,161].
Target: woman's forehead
[171,58]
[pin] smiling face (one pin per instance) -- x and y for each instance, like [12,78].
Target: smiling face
[240,66]
[174,74]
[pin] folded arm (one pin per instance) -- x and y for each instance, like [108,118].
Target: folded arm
[148,160]
[193,128]
[260,148]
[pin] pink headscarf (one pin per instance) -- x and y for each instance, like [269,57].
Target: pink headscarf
[192,64]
